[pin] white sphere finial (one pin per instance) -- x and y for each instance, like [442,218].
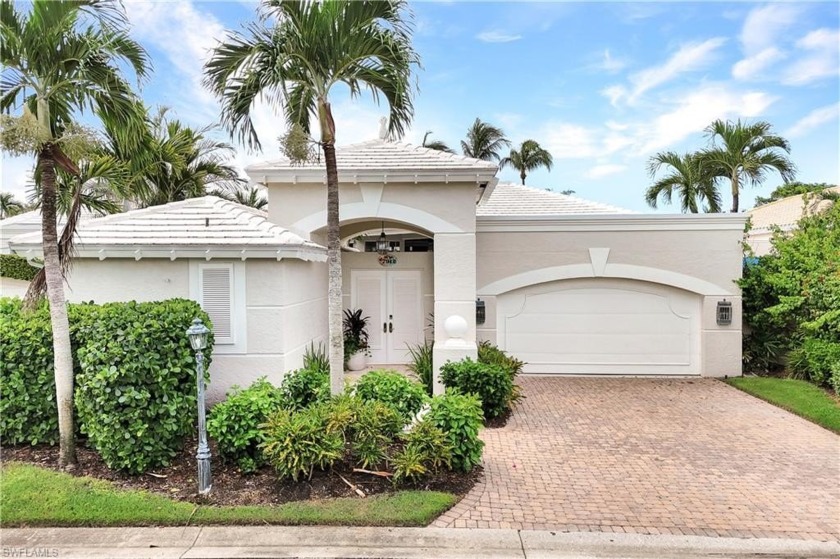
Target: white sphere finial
[383,128]
[455,326]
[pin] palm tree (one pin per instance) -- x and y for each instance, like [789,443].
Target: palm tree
[528,157]
[435,144]
[311,47]
[9,205]
[746,153]
[183,163]
[59,58]
[484,141]
[687,179]
[245,195]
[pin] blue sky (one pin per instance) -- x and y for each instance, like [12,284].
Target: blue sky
[602,86]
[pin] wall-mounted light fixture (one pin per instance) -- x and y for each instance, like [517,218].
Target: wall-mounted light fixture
[480,312]
[724,313]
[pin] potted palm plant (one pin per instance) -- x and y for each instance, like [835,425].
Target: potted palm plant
[356,349]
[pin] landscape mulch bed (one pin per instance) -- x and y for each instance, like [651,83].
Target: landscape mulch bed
[230,486]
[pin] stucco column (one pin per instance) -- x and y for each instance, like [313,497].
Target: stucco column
[454,300]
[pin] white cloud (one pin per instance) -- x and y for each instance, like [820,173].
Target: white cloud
[821,60]
[689,57]
[763,25]
[497,36]
[753,66]
[696,110]
[814,119]
[186,35]
[601,171]
[570,141]
[610,64]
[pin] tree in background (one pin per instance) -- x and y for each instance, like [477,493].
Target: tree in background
[60,58]
[182,163]
[484,141]
[298,52]
[9,205]
[792,189]
[695,189]
[246,195]
[435,144]
[529,157]
[743,152]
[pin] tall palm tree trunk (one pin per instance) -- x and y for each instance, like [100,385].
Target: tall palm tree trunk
[63,356]
[522,175]
[736,189]
[334,299]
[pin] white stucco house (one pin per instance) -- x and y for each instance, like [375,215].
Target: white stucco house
[571,287]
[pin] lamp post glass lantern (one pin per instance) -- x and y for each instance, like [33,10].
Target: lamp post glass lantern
[197,334]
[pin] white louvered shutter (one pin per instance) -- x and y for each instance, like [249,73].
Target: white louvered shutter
[217,300]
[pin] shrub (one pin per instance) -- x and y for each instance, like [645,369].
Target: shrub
[135,396]
[235,423]
[492,355]
[304,387]
[422,364]
[298,442]
[817,360]
[315,358]
[426,449]
[371,432]
[392,388]
[459,416]
[491,383]
[28,413]
[13,266]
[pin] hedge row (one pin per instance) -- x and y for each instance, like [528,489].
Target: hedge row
[16,267]
[135,381]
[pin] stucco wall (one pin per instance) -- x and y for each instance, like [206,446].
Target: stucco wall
[435,207]
[706,260]
[13,287]
[285,309]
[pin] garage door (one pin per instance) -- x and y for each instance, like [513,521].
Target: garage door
[602,327]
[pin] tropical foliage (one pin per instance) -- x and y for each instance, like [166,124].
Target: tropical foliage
[9,205]
[744,153]
[791,189]
[183,163]
[791,302]
[298,52]
[686,180]
[61,57]
[529,157]
[435,144]
[484,141]
[252,196]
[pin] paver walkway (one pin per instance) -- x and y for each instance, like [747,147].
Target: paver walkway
[693,457]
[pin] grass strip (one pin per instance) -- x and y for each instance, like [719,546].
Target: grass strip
[34,496]
[796,396]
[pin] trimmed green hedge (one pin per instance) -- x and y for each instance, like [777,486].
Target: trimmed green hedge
[135,380]
[13,266]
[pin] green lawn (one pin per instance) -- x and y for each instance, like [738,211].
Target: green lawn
[796,396]
[33,496]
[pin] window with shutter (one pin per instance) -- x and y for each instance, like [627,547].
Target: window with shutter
[216,298]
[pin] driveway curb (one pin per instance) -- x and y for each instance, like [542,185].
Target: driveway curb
[396,543]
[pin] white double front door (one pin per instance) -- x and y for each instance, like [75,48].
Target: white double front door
[393,301]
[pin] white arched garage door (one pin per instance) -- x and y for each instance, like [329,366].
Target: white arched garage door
[602,326]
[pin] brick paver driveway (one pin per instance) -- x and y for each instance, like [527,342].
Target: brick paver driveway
[694,457]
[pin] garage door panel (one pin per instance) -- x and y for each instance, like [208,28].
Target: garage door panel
[602,326]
